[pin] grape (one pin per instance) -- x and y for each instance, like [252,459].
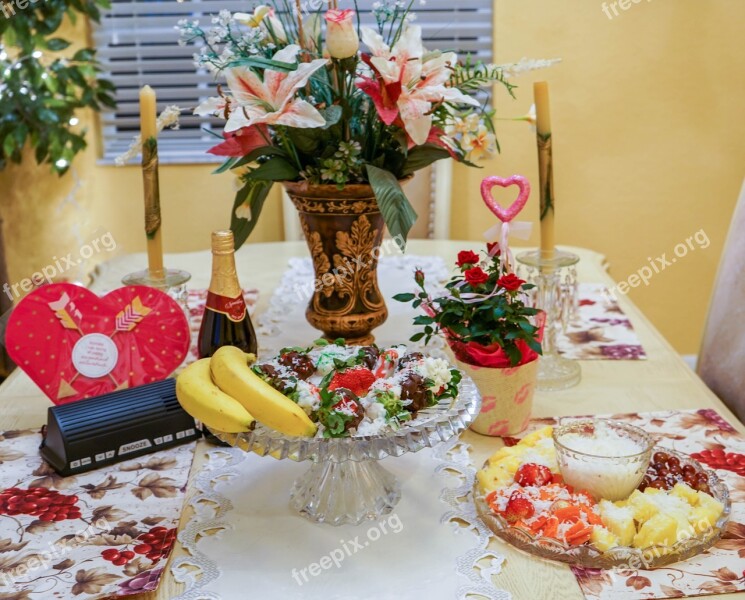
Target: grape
[660,457]
[110,554]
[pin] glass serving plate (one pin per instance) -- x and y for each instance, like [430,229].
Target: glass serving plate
[622,556]
[345,483]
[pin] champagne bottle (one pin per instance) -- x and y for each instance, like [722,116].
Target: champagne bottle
[226,320]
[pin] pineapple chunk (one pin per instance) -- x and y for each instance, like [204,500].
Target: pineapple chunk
[603,539]
[681,490]
[619,521]
[707,512]
[660,530]
[494,477]
[642,506]
[532,438]
[504,453]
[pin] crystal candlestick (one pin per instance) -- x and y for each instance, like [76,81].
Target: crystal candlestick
[555,293]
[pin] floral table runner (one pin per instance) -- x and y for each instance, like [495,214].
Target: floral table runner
[711,440]
[91,536]
[599,330]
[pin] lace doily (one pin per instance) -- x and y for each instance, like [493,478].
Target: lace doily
[212,518]
[480,563]
[196,570]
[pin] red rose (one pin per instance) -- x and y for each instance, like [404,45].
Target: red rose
[493,249]
[466,257]
[476,276]
[510,282]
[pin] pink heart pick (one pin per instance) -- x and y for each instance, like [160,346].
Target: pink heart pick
[508,214]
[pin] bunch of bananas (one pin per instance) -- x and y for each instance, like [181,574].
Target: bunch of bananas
[226,395]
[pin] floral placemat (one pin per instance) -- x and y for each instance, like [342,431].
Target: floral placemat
[104,533]
[196,301]
[711,440]
[600,329]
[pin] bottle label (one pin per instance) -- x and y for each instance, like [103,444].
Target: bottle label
[234,308]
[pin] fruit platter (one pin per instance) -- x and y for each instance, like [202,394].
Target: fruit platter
[343,408]
[598,494]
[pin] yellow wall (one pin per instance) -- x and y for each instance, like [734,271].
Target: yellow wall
[647,111]
[648,124]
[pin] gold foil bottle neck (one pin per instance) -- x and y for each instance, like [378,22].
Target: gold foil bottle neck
[223,242]
[224,276]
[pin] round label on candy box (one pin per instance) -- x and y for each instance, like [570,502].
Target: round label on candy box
[95,355]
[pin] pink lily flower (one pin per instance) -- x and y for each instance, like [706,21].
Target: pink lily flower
[273,101]
[242,142]
[408,82]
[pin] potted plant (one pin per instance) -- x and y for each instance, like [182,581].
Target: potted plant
[44,82]
[341,119]
[493,334]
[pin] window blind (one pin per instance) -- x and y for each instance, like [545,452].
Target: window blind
[138,45]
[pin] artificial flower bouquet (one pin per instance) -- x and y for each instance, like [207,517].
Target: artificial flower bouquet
[494,335]
[323,98]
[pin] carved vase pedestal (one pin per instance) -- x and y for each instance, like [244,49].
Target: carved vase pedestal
[344,229]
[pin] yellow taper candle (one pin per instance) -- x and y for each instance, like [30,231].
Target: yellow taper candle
[149,133]
[545,168]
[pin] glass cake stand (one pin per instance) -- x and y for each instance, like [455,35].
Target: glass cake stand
[345,483]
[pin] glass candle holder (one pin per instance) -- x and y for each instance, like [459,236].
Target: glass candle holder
[555,293]
[173,283]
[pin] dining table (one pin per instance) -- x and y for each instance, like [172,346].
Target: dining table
[661,382]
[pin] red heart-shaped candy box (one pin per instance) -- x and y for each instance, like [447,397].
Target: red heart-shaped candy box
[74,344]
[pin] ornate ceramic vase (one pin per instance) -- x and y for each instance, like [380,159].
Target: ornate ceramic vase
[344,230]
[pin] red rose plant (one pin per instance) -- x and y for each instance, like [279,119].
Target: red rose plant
[484,315]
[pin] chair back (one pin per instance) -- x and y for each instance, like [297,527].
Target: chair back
[722,358]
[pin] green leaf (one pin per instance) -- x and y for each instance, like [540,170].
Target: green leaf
[423,320]
[84,55]
[57,44]
[47,116]
[258,62]
[9,144]
[307,141]
[423,156]
[534,345]
[397,211]
[254,193]
[254,155]
[332,114]
[404,297]
[276,169]
[227,165]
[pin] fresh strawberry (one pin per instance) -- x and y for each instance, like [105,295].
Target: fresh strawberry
[532,474]
[358,380]
[518,507]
